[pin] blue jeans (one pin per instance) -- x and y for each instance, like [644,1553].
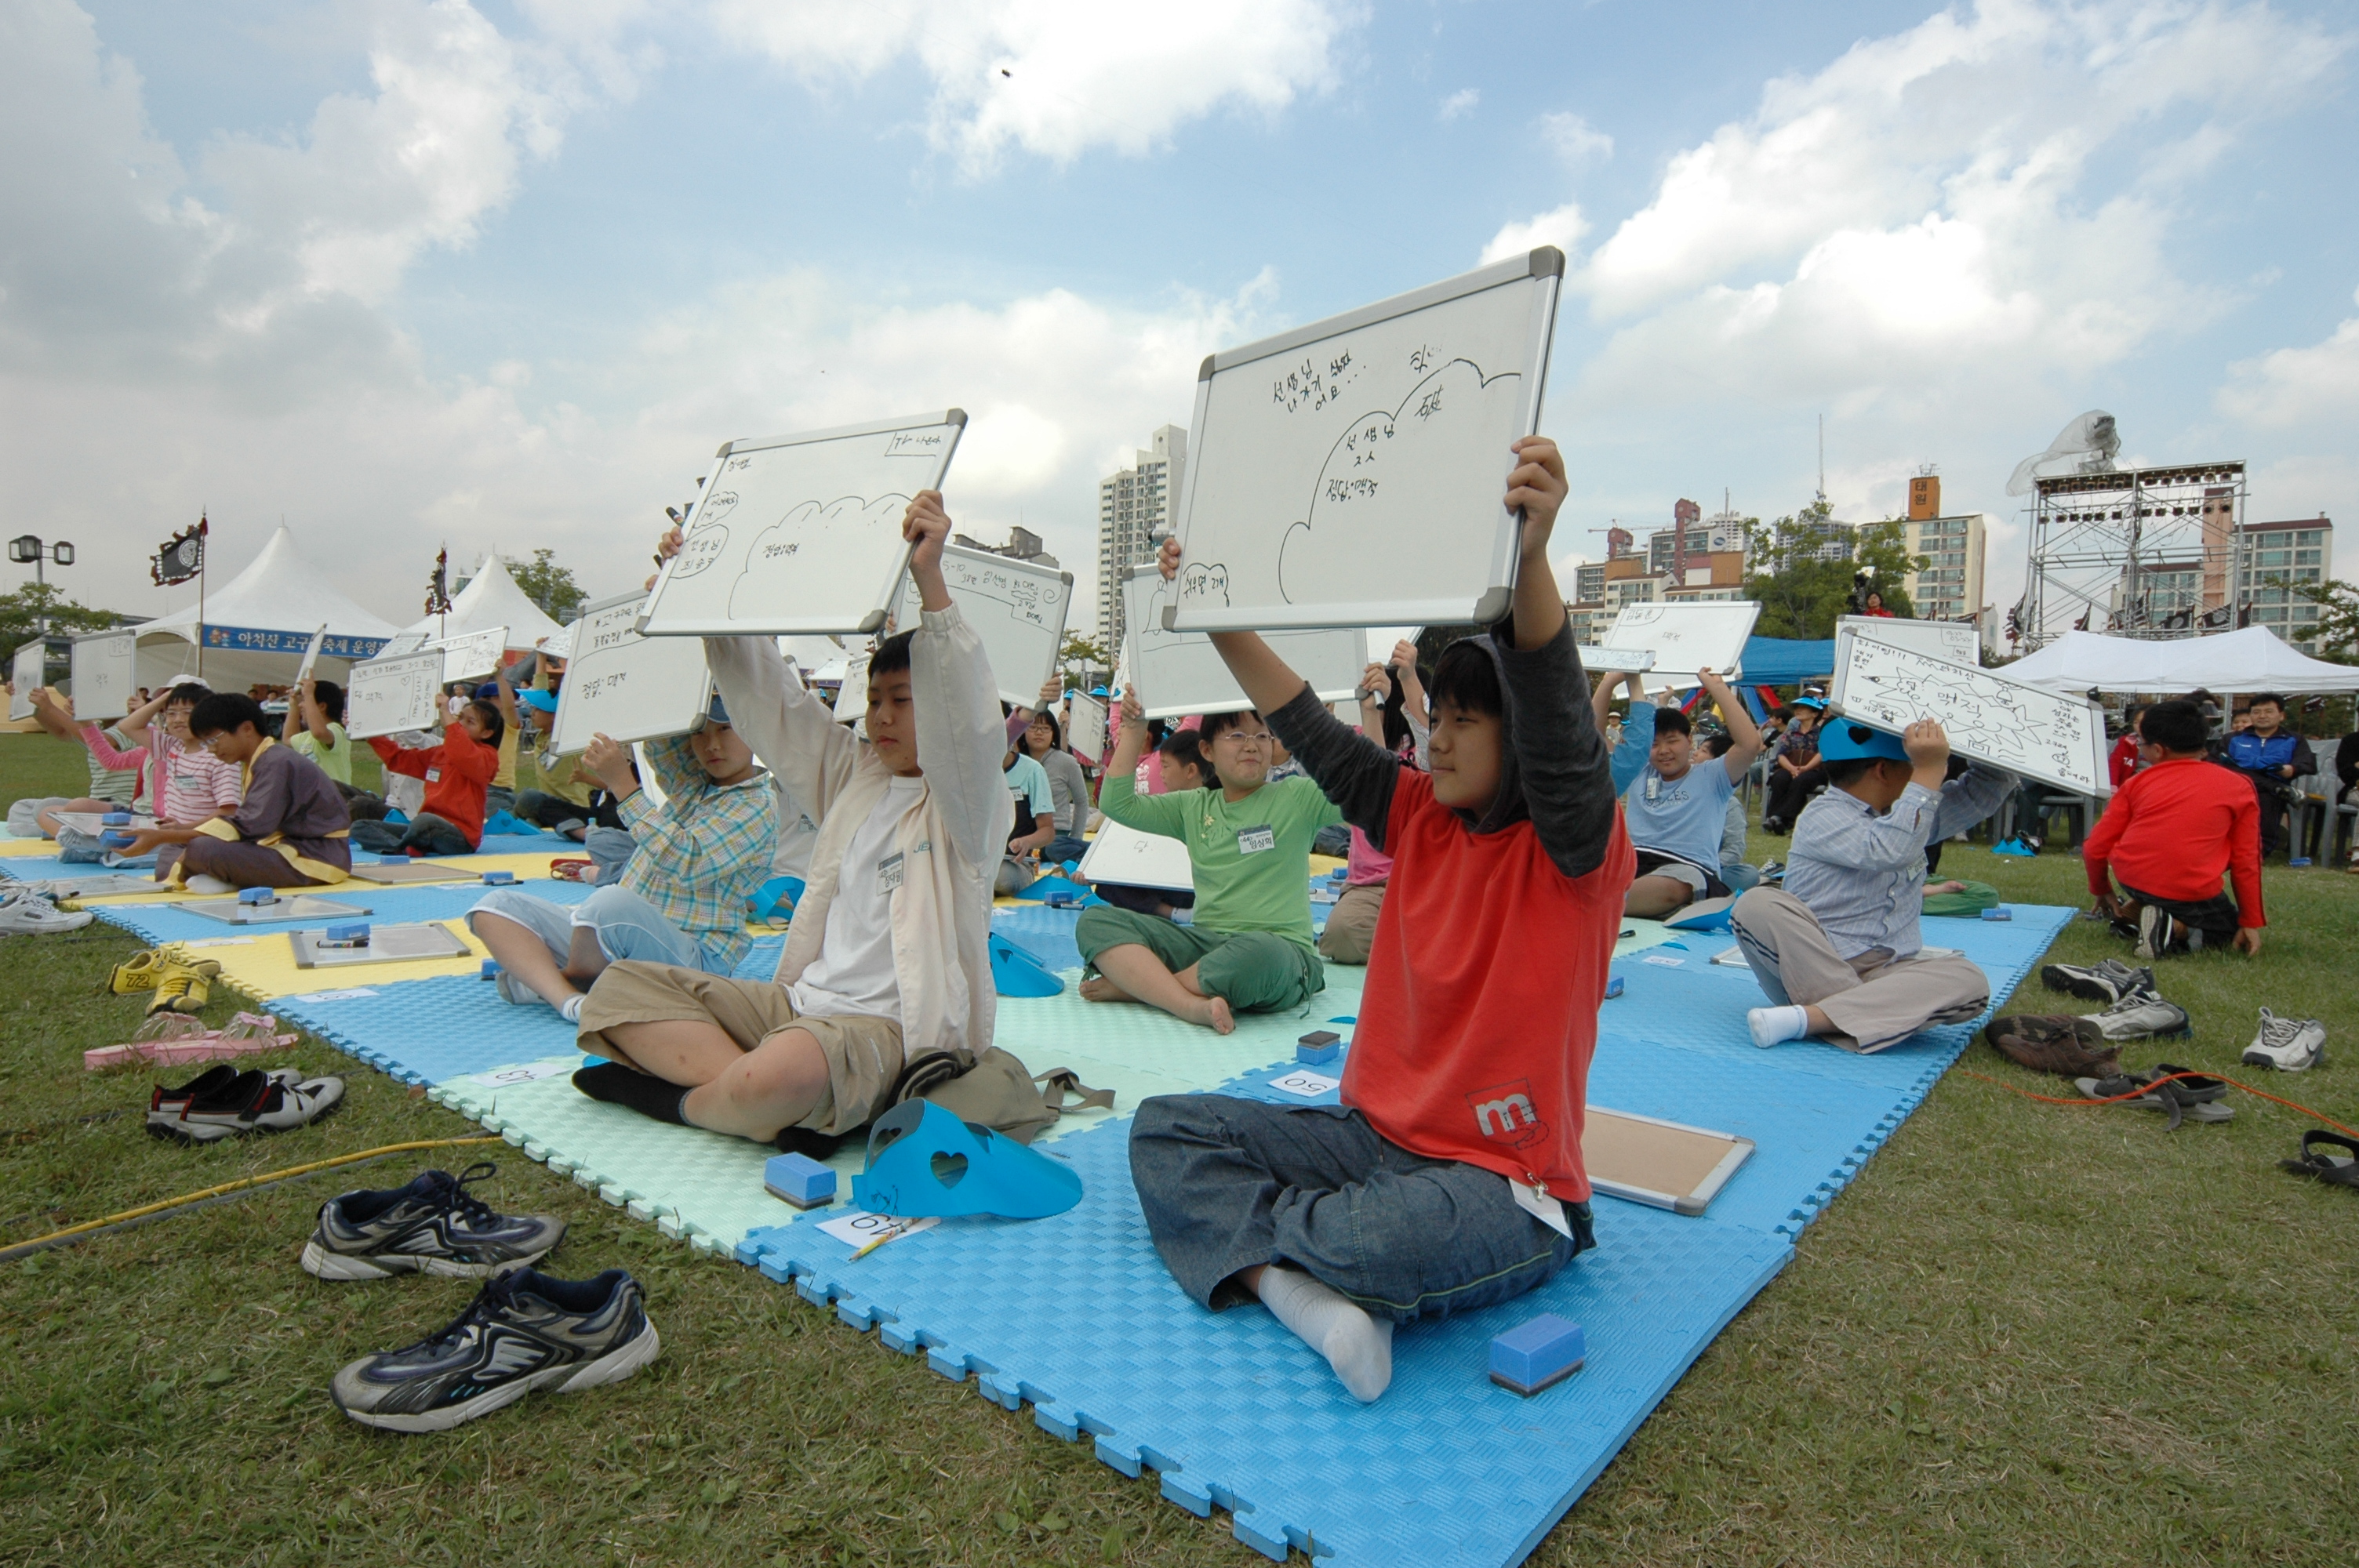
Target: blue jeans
[1062,847]
[1227,1184]
[627,926]
[426,833]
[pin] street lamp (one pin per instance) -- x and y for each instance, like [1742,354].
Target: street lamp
[29,549]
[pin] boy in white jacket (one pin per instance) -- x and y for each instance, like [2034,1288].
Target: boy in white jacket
[888,959]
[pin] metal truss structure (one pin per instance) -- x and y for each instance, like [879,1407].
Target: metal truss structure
[2145,552]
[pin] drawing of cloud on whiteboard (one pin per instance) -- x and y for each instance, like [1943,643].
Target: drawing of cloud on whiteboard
[770,559]
[1400,474]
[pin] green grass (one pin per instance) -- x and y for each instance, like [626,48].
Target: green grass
[2027,1334]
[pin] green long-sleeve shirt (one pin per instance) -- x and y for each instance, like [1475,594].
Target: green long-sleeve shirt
[1250,857]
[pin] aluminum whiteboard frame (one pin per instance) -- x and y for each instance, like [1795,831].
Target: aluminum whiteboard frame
[557,719]
[434,722]
[2098,772]
[955,419]
[130,635]
[452,647]
[1879,627]
[907,596]
[1692,1203]
[20,700]
[1546,263]
[1158,708]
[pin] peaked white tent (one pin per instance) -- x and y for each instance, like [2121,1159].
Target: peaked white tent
[491,598]
[2253,659]
[256,625]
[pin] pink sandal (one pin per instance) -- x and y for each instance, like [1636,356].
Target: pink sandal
[170,1038]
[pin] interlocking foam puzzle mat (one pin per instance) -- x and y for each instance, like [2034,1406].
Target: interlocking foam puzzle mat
[163,921]
[424,1031]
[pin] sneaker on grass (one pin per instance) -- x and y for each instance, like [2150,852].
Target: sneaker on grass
[433,1225]
[2289,1044]
[524,1331]
[2133,1017]
[32,914]
[2107,981]
[251,1101]
[165,1105]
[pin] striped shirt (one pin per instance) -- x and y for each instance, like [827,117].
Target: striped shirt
[183,784]
[1862,872]
[704,850]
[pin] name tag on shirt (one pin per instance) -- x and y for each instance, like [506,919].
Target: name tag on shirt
[434,776]
[888,873]
[1254,840]
[1549,1211]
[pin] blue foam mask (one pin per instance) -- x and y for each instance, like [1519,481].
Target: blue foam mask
[923,1160]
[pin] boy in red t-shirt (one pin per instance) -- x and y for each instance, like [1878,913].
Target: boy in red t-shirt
[458,775]
[2171,829]
[1451,1177]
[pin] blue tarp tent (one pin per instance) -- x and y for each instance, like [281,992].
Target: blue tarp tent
[1783,661]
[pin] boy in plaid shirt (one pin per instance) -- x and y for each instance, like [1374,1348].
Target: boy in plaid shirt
[683,897]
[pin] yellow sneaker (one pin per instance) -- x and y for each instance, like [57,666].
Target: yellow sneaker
[137,973]
[184,987]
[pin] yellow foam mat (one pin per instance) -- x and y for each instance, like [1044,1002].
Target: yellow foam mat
[262,964]
[527,868]
[9,847]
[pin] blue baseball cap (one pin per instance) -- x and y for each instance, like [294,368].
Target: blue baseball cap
[1841,740]
[489,691]
[538,700]
[1816,704]
[716,712]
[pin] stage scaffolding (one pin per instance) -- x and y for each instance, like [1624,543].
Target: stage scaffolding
[2148,552]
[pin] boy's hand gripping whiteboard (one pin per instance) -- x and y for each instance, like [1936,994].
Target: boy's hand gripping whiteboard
[386,697]
[624,686]
[802,534]
[1183,673]
[1129,858]
[1018,610]
[1990,716]
[104,680]
[475,655]
[1351,472]
[1685,638]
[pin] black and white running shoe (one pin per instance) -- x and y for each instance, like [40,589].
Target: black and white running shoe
[433,1225]
[525,1331]
[252,1101]
[165,1105]
[2107,981]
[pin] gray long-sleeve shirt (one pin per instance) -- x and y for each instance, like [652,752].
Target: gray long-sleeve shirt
[1862,872]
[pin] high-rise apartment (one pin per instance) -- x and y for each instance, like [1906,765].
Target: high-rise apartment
[1136,506]
[1951,583]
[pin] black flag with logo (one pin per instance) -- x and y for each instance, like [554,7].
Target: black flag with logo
[181,556]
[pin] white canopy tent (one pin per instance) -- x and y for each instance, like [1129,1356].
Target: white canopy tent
[491,598]
[2253,659]
[257,625]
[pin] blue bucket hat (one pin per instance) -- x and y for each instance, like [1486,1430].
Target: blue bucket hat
[537,701]
[1815,704]
[1841,740]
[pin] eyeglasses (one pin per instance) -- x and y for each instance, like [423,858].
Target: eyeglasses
[1257,737]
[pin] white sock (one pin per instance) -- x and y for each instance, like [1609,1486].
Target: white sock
[572,1008]
[1776,1025]
[1358,1347]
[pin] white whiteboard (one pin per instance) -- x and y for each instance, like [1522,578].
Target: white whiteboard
[404,642]
[1351,472]
[1604,661]
[311,656]
[384,697]
[1990,716]
[26,671]
[475,655]
[1179,672]
[624,686]
[803,533]
[1017,608]
[106,678]
[1085,727]
[1131,858]
[1956,641]
[1685,638]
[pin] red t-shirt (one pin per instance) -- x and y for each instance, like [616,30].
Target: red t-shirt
[2173,828]
[457,774]
[2122,760]
[1479,1015]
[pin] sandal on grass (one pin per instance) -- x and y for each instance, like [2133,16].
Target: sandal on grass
[2193,1098]
[2343,1169]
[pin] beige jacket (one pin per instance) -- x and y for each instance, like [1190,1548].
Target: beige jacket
[951,840]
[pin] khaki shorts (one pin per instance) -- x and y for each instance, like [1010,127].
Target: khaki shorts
[864,1054]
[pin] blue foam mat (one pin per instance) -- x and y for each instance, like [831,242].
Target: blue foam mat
[422,1032]
[41,868]
[431,901]
[1078,1316]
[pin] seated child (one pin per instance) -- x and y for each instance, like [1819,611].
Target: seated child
[1451,1177]
[1035,821]
[1838,949]
[681,899]
[315,729]
[114,791]
[1250,947]
[1068,789]
[1678,805]
[457,775]
[1183,765]
[889,959]
[180,783]
[2175,825]
[289,826]
[1392,706]
[571,800]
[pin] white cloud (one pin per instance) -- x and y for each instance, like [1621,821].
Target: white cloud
[1459,104]
[1562,228]
[1058,77]
[2298,387]
[1575,140]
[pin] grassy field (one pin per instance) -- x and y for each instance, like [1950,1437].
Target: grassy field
[2027,1334]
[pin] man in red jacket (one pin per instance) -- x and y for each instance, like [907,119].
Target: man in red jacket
[458,775]
[1451,1177]
[2170,831]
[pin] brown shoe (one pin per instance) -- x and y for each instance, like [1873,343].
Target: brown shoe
[2048,1044]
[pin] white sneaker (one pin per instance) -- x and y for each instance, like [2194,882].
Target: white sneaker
[31,914]
[515,992]
[2289,1044]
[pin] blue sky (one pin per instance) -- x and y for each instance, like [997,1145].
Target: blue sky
[410,273]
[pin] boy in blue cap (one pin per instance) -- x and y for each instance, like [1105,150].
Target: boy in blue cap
[1838,948]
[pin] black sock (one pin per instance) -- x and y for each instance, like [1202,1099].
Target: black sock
[619,1085]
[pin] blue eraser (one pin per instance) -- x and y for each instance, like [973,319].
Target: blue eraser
[490,969]
[1998,914]
[348,931]
[116,819]
[258,895]
[1319,1048]
[1613,988]
[499,879]
[114,840]
[1061,898]
[799,1180]
[1531,1356]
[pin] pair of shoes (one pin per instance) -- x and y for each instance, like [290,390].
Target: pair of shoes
[183,985]
[2107,981]
[2189,1099]
[2289,1044]
[2137,1016]
[222,1102]
[24,913]
[2052,1044]
[137,973]
[525,1330]
[170,1039]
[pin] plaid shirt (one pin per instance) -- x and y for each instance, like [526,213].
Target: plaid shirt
[704,850]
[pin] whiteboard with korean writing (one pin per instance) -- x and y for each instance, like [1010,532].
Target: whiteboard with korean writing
[624,686]
[802,534]
[1352,472]
[1181,673]
[1685,638]
[386,697]
[1956,641]
[1017,608]
[106,675]
[26,671]
[1990,716]
[475,655]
